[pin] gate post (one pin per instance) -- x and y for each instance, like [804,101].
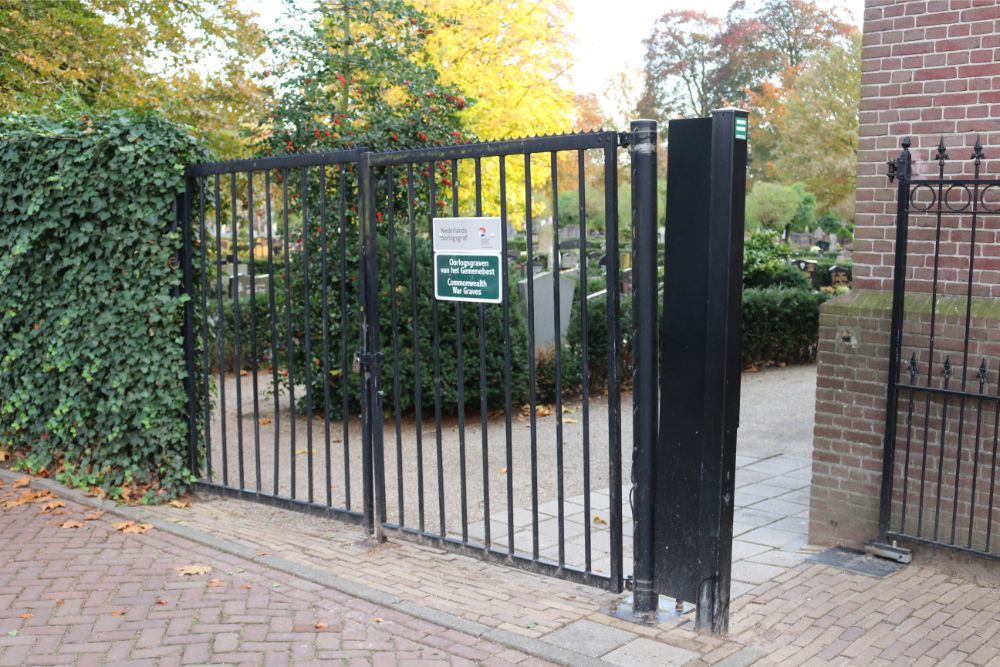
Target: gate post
[644,251]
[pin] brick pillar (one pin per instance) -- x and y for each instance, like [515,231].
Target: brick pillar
[930,70]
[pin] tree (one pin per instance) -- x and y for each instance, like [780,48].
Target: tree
[358,76]
[683,63]
[817,139]
[771,206]
[71,56]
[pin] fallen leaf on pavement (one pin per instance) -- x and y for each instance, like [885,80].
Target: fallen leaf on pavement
[131,527]
[543,410]
[569,420]
[244,373]
[378,619]
[321,625]
[264,421]
[301,451]
[162,602]
[96,492]
[21,482]
[52,505]
[599,521]
[179,504]
[71,523]
[245,586]
[93,515]
[189,570]
[26,615]
[503,471]
[214,583]
[118,612]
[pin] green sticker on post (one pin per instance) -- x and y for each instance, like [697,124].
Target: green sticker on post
[742,126]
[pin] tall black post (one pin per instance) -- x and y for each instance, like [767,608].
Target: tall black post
[644,293]
[700,362]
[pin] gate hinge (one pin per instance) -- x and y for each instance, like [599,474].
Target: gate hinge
[367,360]
[624,139]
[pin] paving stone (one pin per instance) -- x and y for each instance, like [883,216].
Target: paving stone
[649,653]
[589,638]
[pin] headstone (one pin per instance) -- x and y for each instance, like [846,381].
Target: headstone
[839,276]
[544,306]
[808,269]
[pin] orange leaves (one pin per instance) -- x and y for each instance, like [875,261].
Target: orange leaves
[71,523]
[93,515]
[52,505]
[131,527]
[179,504]
[21,482]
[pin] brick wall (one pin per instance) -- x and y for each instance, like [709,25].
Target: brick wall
[931,71]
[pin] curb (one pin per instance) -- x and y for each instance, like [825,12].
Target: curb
[532,646]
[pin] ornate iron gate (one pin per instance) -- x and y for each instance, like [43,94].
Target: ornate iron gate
[504,420]
[942,417]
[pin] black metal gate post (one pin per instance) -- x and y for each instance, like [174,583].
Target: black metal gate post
[898,169]
[369,357]
[644,248]
[700,363]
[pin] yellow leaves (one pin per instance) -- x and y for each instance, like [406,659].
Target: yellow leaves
[49,506]
[71,523]
[503,471]
[179,504]
[569,420]
[131,527]
[194,570]
[599,521]
[21,482]
[93,515]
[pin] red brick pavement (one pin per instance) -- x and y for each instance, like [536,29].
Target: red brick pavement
[96,596]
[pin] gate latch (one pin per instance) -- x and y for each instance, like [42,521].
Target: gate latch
[366,359]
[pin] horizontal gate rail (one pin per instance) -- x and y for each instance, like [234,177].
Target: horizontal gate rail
[943,398]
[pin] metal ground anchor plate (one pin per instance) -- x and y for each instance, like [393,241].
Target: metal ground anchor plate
[667,608]
[857,561]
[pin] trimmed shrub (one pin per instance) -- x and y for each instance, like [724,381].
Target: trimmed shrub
[780,325]
[92,361]
[597,340]
[765,263]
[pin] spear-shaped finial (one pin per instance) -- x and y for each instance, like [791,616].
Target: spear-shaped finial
[977,151]
[947,369]
[942,153]
[981,375]
[912,367]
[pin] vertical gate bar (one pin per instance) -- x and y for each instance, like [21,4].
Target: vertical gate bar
[895,341]
[909,433]
[222,332]
[206,369]
[531,357]
[183,206]
[345,363]
[417,387]
[614,361]
[325,308]
[644,246]
[556,271]
[944,431]
[975,457]
[393,299]
[460,372]
[289,348]
[273,316]
[368,320]
[483,400]
[307,330]
[977,155]
[505,287]
[435,314]
[375,354]
[993,467]
[253,329]
[585,358]
[238,361]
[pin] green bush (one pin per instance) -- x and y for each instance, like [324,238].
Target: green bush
[766,263]
[597,340]
[92,362]
[780,325]
[396,285]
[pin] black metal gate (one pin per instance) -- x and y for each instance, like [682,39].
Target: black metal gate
[332,380]
[942,418]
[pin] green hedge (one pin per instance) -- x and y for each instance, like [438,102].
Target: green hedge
[92,360]
[780,325]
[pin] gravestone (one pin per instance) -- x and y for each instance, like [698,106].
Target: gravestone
[544,306]
[840,276]
[808,269]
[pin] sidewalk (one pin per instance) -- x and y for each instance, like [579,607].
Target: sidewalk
[433,605]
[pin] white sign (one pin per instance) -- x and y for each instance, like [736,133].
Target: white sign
[467,235]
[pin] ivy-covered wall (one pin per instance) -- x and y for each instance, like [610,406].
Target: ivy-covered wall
[91,349]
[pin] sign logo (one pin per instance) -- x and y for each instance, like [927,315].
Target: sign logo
[742,127]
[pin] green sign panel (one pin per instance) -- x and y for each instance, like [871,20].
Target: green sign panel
[742,125]
[468,277]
